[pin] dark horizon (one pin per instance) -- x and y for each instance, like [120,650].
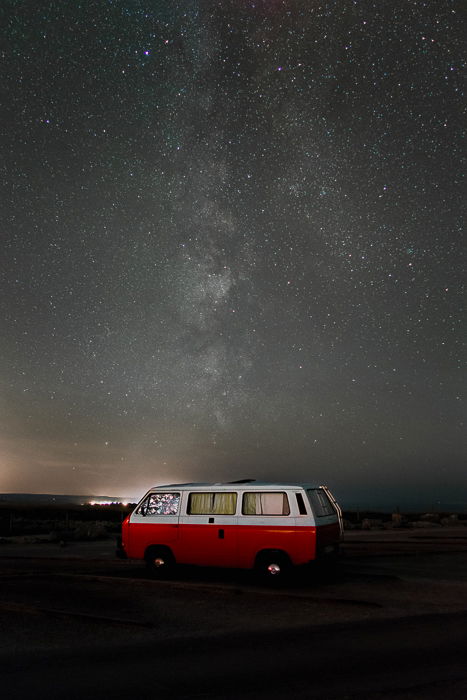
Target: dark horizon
[354,503]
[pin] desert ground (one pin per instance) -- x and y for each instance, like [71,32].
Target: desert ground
[389,622]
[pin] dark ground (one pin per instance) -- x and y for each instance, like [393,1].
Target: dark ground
[389,623]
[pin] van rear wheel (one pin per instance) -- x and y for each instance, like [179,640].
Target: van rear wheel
[272,566]
[159,561]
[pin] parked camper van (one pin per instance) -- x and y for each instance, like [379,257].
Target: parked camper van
[245,524]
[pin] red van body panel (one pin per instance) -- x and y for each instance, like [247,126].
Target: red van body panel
[238,547]
[139,536]
[297,542]
[207,545]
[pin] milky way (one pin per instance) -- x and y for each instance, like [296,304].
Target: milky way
[232,245]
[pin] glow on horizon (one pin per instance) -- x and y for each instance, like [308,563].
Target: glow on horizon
[108,503]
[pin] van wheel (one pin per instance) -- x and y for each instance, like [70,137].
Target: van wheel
[159,561]
[272,566]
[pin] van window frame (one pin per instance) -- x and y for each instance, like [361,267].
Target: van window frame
[267,515]
[301,505]
[211,511]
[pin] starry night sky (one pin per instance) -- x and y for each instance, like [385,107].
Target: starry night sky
[232,245]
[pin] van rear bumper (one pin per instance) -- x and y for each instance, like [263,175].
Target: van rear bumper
[328,550]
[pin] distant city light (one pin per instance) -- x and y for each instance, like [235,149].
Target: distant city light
[107,503]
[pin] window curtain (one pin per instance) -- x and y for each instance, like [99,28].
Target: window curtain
[274,504]
[249,503]
[213,503]
[200,503]
[265,504]
[224,503]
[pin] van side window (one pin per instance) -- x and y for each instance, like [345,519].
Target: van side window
[320,503]
[264,503]
[219,503]
[301,504]
[160,504]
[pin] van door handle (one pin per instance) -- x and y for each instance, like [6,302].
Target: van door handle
[221,534]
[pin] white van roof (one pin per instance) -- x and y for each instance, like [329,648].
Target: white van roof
[243,484]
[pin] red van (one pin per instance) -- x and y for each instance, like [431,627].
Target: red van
[244,524]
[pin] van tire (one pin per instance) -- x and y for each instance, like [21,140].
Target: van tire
[272,565]
[159,561]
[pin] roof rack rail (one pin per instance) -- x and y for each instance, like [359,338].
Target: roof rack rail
[241,481]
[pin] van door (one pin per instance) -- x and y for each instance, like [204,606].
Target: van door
[208,529]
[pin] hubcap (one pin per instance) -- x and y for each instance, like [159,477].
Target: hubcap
[274,569]
[158,562]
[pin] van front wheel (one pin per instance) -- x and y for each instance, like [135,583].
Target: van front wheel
[159,561]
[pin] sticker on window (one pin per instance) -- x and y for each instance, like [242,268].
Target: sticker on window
[160,504]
